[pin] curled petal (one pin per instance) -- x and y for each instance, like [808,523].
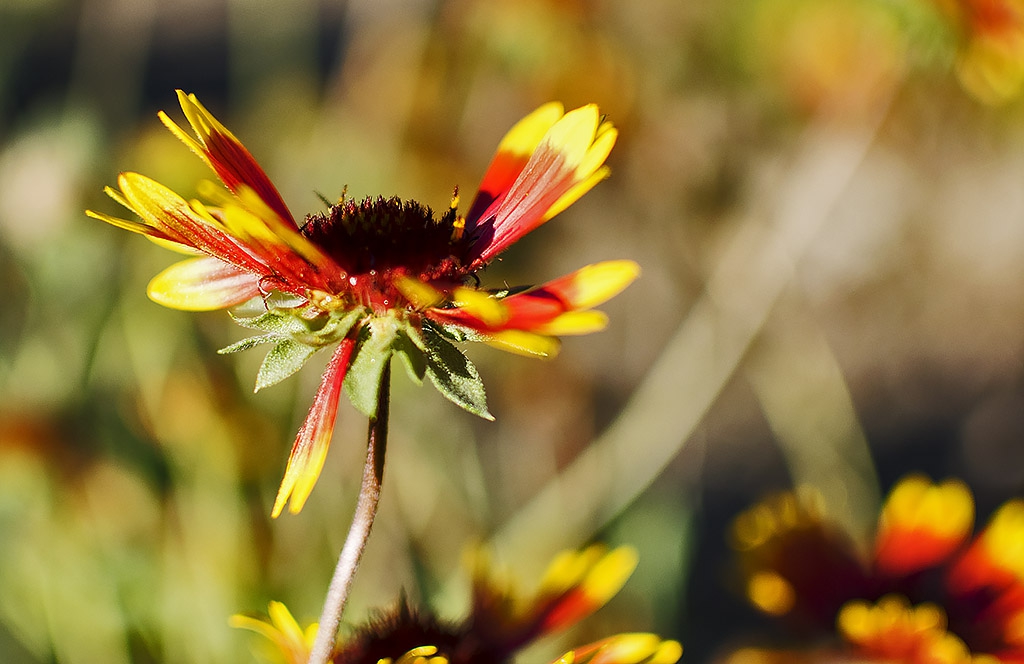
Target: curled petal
[566,163]
[226,155]
[922,524]
[311,444]
[203,284]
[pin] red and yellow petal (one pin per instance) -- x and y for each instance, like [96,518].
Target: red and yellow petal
[314,438]
[565,164]
[893,631]
[578,583]
[523,343]
[226,155]
[512,155]
[922,524]
[174,219]
[556,308]
[594,284]
[996,557]
[203,284]
[636,648]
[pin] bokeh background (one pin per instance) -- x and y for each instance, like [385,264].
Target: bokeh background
[825,196]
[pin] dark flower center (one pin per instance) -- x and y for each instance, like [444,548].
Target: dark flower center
[396,632]
[380,235]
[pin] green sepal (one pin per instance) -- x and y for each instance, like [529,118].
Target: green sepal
[410,349]
[247,343]
[453,374]
[362,382]
[333,330]
[282,322]
[282,361]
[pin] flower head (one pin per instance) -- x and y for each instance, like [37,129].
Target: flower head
[377,277]
[500,623]
[925,592]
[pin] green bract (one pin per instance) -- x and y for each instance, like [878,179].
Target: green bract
[424,349]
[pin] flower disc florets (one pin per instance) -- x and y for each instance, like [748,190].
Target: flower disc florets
[376,238]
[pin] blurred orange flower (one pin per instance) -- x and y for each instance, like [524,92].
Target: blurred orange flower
[499,624]
[923,591]
[990,62]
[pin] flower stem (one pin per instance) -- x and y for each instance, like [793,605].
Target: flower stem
[359,532]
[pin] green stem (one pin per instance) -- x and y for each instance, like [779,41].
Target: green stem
[359,532]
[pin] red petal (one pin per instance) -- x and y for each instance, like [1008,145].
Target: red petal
[310,449]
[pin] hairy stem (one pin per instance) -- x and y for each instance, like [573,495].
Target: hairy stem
[359,532]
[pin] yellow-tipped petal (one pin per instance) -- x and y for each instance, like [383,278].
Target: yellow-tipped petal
[126,224]
[598,152]
[576,192]
[637,648]
[176,247]
[628,649]
[314,438]
[525,343]
[202,284]
[572,136]
[610,573]
[574,323]
[522,139]
[595,284]
[922,524]
[480,305]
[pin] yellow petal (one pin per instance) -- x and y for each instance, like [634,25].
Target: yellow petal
[525,135]
[525,343]
[202,284]
[480,305]
[574,322]
[594,284]
[572,136]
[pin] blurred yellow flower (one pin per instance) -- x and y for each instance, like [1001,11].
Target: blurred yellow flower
[499,624]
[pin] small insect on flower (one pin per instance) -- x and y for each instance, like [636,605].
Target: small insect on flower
[377,277]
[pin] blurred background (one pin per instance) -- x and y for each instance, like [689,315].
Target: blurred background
[825,197]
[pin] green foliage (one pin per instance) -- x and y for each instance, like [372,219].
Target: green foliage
[453,374]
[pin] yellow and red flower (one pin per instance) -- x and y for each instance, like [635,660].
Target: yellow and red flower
[379,277]
[990,35]
[499,624]
[923,592]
